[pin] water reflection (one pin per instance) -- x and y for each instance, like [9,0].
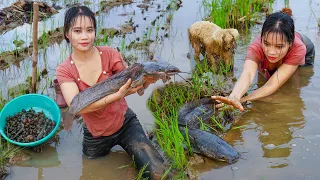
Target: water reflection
[116,165]
[47,159]
[279,116]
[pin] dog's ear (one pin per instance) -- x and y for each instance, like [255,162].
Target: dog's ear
[234,33]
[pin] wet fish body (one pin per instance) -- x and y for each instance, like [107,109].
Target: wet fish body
[159,70]
[191,113]
[104,88]
[211,146]
[203,142]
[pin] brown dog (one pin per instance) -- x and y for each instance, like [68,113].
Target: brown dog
[218,43]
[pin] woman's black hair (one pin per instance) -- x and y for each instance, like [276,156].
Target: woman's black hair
[73,13]
[279,23]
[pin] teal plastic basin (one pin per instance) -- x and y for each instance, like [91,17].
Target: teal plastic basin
[38,103]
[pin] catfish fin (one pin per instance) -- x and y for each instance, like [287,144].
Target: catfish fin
[140,91]
[68,118]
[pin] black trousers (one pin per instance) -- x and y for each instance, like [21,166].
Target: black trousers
[310,50]
[133,140]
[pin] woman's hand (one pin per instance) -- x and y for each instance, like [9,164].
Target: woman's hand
[228,103]
[126,90]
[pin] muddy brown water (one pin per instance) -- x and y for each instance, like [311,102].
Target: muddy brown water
[280,138]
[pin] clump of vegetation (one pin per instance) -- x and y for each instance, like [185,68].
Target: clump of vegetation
[21,12]
[105,6]
[7,150]
[165,103]
[239,14]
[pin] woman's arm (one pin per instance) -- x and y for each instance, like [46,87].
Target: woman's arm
[70,90]
[246,78]
[283,73]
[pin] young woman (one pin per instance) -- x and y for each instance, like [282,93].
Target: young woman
[276,54]
[108,121]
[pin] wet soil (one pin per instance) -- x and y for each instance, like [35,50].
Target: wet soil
[196,160]
[105,6]
[21,12]
[48,39]
[55,36]
[18,157]
[3,174]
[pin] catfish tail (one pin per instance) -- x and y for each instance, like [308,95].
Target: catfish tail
[68,118]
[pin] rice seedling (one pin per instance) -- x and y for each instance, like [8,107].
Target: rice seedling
[166,173]
[314,15]
[6,151]
[165,103]
[2,101]
[239,14]
[123,46]
[238,127]
[43,39]
[286,3]
[141,172]
[170,139]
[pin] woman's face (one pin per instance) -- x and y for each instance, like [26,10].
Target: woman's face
[82,34]
[275,46]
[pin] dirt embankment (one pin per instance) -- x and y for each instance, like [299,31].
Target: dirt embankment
[20,12]
[105,6]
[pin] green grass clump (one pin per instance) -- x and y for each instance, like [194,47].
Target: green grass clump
[6,151]
[239,14]
[165,103]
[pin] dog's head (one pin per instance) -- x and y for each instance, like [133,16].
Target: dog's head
[226,38]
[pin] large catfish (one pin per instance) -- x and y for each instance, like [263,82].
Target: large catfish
[203,142]
[137,72]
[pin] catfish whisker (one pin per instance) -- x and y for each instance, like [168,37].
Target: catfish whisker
[185,72]
[185,79]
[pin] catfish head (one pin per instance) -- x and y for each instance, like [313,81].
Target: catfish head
[160,70]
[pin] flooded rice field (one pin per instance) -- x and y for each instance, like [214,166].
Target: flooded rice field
[279,138]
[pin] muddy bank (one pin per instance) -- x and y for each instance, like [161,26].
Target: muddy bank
[105,35]
[48,39]
[3,173]
[105,6]
[21,12]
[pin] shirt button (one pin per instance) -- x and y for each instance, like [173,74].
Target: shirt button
[72,62]
[100,52]
[104,72]
[78,79]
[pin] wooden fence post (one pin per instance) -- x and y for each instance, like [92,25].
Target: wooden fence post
[35,46]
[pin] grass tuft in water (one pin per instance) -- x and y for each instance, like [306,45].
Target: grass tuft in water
[6,151]
[239,14]
[165,103]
